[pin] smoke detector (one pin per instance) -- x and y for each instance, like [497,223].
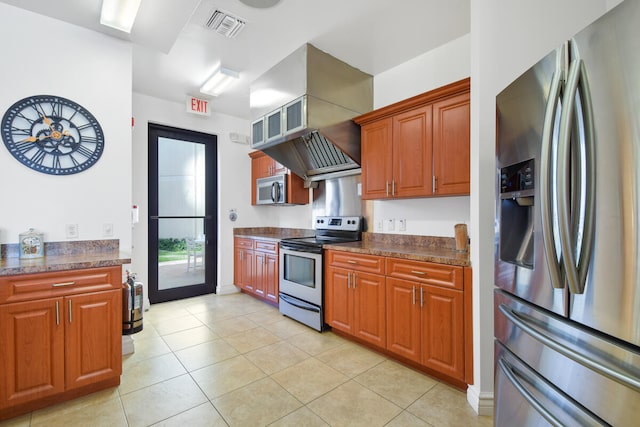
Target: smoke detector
[225,24]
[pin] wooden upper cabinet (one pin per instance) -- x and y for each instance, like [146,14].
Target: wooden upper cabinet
[451,143]
[412,148]
[377,160]
[418,147]
[263,166]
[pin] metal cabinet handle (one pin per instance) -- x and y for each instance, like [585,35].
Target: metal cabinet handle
[421,273]
[57,285]
[57,313]
[393,187]
[355,280]
[387,188]
[352,261]
[414,296]
[434,184]
[421,297]
[348,279]
[70,312]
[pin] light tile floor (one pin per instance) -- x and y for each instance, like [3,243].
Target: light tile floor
[234,361]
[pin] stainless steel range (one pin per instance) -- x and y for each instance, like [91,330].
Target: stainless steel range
[302,267]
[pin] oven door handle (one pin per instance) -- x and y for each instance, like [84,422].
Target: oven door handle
[295,303]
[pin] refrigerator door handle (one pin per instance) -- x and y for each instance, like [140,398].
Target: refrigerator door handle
[588,216]
[576,271]
[511,375]
[564,176]
[545,172]
[609,370]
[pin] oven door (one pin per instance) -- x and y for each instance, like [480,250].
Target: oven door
[301,275]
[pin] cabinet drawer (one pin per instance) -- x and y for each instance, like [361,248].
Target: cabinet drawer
[243,242]
[356,261]
[26,287]
[266,246]
[449,276]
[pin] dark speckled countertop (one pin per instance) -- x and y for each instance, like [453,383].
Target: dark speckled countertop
[63,256]
[419,248]
[272,233]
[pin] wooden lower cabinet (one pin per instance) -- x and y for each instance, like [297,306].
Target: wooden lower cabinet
[425,325]
[58,336]
[256,267]
[355,299]
[32,348]
[243,262]
[419,311]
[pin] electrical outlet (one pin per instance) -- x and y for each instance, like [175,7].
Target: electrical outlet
[107,229]
[402,224]
[379,225]
[71,231]
[391,224]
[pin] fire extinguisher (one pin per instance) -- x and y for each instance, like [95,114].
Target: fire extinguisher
[132,305]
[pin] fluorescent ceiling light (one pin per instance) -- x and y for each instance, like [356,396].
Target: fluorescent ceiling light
[119,14]
[219,81]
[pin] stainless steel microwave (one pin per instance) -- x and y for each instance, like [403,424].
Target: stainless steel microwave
[271,190]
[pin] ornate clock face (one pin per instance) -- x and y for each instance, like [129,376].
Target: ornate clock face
[53,135]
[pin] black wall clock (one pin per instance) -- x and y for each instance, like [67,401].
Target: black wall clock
[52,135]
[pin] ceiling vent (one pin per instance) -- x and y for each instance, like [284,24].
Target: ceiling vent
[225,24]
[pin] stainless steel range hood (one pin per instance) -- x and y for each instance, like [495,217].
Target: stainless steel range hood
[307,125]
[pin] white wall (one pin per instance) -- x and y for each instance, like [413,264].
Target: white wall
[506,39]
[446,64]
[45,56]
[234,183]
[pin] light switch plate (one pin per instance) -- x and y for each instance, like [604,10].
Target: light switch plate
[402,224]
[391,224]
[107,229]
[71,231]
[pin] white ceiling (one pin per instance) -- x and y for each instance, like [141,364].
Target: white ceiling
[174,53]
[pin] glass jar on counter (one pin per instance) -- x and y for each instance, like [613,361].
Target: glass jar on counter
[31,244]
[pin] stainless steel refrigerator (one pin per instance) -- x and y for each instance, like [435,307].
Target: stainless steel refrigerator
[567,242]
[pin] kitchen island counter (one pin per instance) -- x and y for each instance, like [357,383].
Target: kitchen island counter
[420,248]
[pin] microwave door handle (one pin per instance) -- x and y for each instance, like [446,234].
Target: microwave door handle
[588,145]
[274,192]
[564,177]
[547,202]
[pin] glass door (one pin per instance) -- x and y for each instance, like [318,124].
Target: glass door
[182,206]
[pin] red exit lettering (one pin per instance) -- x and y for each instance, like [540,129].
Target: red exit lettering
[199,105]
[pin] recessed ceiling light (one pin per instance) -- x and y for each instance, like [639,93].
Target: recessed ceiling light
[260,4]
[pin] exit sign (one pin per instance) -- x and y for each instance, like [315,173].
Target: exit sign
[198,106]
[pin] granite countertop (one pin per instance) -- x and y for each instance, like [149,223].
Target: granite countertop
[420,248]
[64,256]
[272,233]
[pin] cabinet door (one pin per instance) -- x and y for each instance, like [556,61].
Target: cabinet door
[443,331]
[377,161]
[247,273]
[451,145]
[339,299]
[369,308]
[31,351]
[93,342]
[272,277]
[403,318]
[412,151]
[260,274]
